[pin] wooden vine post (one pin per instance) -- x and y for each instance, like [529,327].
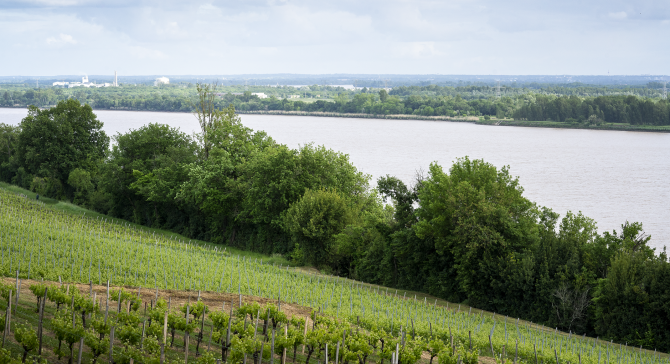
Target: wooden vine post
[304,335]
[111,345]
[492,352]
[165,326]
[8,318]
[40,324]
[186,336]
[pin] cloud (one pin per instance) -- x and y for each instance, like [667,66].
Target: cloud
[147,53]
[618,16]
[346,36]
[417,50]
[58,3]
[61,40]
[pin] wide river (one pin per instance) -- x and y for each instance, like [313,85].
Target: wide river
[611,176]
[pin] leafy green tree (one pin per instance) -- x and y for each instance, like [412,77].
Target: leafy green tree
[214,185]
[206,112]
[313,221]
[144,173]
[277,176]
[383,95]
[630,304]
[477,217]
[80,179]
[9,136]
[55,141]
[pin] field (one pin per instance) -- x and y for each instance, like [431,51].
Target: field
[39,242]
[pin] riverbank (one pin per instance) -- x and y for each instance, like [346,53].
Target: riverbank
[468,119]
[565,125]
[471,119]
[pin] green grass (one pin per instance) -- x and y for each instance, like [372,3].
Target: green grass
[75,210]
[118,248]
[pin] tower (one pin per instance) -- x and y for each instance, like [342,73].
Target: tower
[665,90]
[116,83]
[498,93]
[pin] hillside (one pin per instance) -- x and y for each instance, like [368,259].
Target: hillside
[42,242]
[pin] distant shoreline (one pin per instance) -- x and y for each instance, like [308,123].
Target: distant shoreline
[565,125]
[469,119]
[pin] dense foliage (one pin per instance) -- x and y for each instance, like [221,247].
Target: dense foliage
[638,105]
[610,109]
[466,235]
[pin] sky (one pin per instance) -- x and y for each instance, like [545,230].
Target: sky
[494,37]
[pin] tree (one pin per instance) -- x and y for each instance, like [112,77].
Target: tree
[631,304]
[313,222]
[383,95]
[80,179]
[9,136]
[278,176]
[144,173]
[54,142]
[206,113]
[477,217]
[214,184]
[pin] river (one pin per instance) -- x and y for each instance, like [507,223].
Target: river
[611,176]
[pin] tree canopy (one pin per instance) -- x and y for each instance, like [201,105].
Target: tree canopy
[56,141]
[466,234]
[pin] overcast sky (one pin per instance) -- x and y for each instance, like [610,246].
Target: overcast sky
[527,37]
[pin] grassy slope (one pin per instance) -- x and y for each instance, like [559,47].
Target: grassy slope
[77,210]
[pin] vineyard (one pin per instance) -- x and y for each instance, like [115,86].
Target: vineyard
[262,312]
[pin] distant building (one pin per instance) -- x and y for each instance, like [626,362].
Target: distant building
[162,81]
[293,97]
[84,83]
[260,95]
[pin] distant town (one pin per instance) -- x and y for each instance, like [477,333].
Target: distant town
[86,83]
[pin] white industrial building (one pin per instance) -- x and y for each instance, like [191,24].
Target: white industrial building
[84,83]
[162,81]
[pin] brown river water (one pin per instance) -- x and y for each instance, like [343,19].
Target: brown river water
[610,176]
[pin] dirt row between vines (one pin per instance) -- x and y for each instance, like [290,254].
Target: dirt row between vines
[214,300]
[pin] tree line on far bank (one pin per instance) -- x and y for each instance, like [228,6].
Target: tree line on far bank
[466,233]
[421,101]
